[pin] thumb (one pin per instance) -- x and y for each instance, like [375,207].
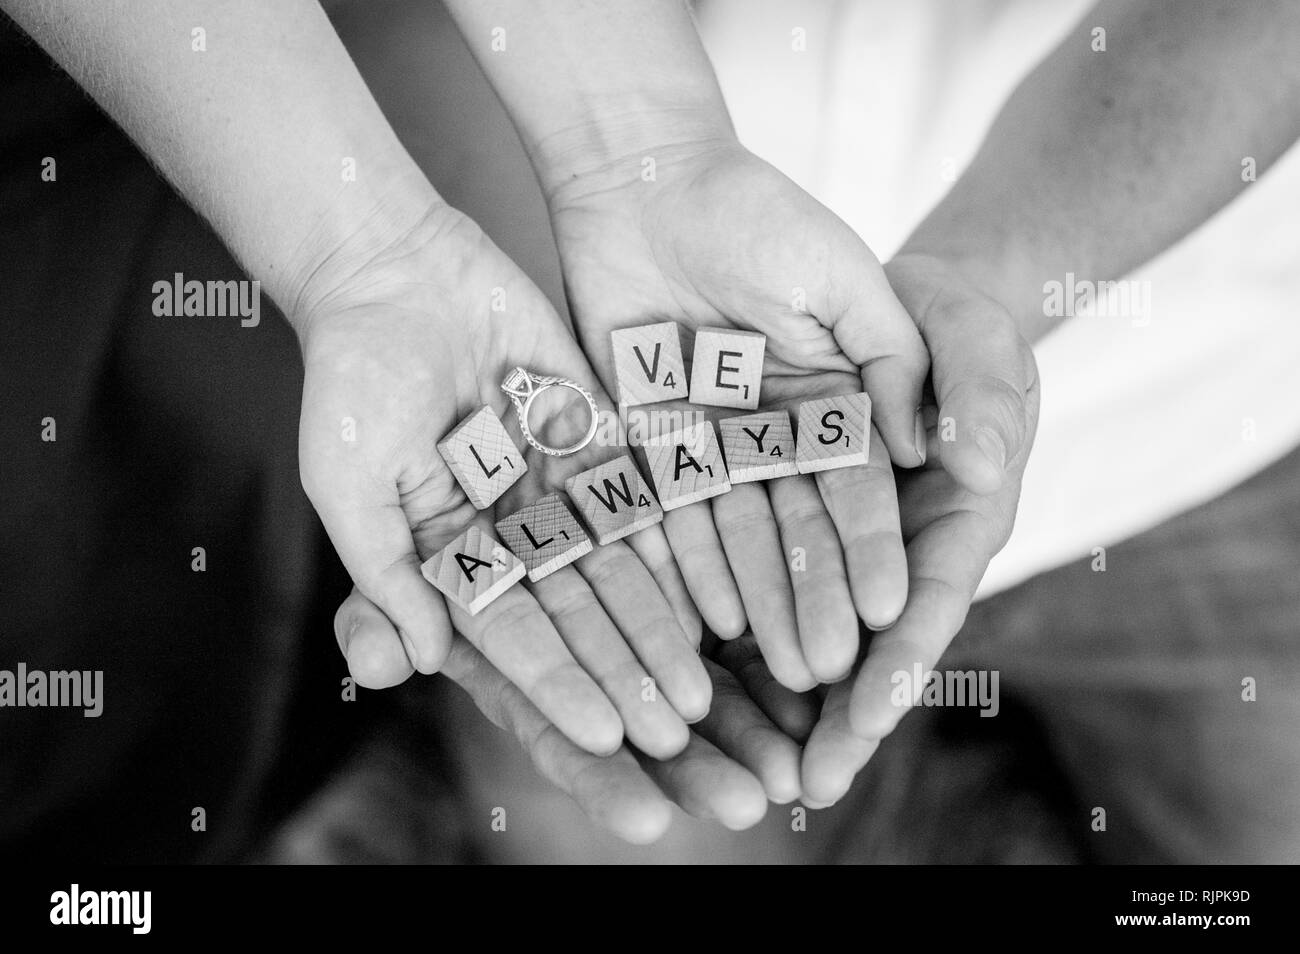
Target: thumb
[370,644]
[983,374]
[369,529]
[877,334]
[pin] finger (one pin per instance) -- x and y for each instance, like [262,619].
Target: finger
[946,561]
[876,333]
[650,722]
[632,599]
[749,535]
[983,373]
[711,786]
[834,753]
[652,547]
[369,643]
[794,713]
[740,730]
[613,791]
[828,626]
[863,505]
[694,539]
[522,643]
[373,539]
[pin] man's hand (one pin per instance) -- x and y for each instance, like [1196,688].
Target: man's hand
[735,761]
[400,342]
[957,512]
[718,238]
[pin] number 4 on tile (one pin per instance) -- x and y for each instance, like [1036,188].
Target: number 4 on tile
[648,363]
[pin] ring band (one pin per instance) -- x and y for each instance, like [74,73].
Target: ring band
[523,386]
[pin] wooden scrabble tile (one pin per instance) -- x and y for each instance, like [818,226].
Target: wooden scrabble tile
[833,433]
[687,466]
[545,535]
[758,446]
[483,457]
[614,500]
[727,368]
[473,570]
[648,363]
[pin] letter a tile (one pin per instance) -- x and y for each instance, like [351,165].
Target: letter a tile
[687,466]
[473,570]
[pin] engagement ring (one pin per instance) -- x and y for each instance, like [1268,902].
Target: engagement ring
[523,386]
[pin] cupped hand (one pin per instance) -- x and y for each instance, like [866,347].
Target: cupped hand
[708,235]
[737,759]
[957,511]
[400,344]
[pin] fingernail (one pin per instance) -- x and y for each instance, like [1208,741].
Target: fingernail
[841,789]
[346,641]
[993,448]
[919,438]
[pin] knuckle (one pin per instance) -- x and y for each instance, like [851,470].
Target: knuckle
[659,628]
[560,678]
[738,521]
[624,676]
[379,584]
[696,555]
[570,610]
[494,631]
[802,517]
[609,568]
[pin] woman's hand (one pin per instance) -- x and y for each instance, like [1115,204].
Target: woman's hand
[402,338]
[706,234]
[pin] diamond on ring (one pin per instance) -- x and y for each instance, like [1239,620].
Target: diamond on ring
[523,387]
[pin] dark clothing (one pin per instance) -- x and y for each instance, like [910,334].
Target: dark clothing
[171,434]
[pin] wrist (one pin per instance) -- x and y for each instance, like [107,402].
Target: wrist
[1000,268]
[615,143]
[350,232]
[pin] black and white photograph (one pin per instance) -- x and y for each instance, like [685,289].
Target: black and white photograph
[650,432]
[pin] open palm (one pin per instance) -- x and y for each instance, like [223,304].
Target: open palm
[716,237]
[397,352]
